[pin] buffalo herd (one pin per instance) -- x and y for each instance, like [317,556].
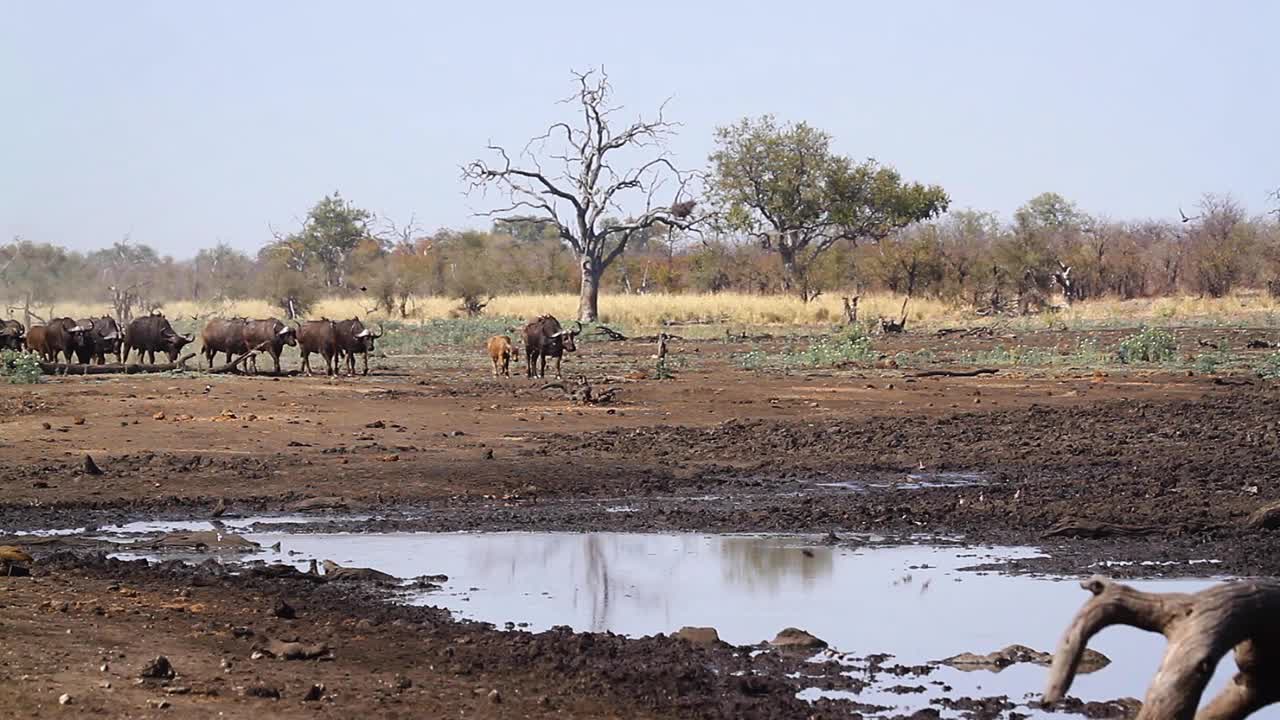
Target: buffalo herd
[337,341]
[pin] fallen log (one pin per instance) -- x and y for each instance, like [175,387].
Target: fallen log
[114,368]
[1095,530]
[1201,628]
[956,373]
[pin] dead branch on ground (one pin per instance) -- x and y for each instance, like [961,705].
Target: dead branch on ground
[956,373]
[582,393]
[1200,628]
[1095,530]
[609,333]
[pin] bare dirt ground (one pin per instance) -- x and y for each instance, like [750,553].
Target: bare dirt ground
[1155,465]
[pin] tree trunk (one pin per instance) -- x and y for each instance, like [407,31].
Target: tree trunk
[589,296]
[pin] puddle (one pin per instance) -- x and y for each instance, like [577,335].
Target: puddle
[914,602]
[914,481]
[236,525]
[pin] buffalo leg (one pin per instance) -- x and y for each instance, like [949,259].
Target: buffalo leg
[275,361]
[306,363]
[365,355]
[558,359]
[530,363]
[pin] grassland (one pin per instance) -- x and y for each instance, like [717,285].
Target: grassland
[717,312]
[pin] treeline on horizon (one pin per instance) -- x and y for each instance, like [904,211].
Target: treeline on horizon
[1050,251]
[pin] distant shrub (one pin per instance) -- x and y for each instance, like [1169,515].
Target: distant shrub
[18,368]
[1150,345]
[1269,367]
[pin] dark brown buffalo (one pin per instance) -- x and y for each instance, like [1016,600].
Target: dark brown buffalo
[13,335]
[223,336]
[65,336]
[545,338]
[318,336]
[151,334]
[354,338]
[270,336]
[101,338]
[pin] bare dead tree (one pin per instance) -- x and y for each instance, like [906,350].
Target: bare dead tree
[851,309]
[583,196]
[1201,628]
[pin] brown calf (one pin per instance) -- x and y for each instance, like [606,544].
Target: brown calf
[501,353]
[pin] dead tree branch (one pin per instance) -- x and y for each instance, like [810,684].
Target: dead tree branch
[1201,628]
[955,373]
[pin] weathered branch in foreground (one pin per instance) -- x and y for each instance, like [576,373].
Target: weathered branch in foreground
[1201,628]
[113,368]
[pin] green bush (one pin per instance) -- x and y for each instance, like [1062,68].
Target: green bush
[19,368]
[1150,345]
[1269,367]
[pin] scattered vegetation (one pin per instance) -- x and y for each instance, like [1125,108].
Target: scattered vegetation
[850,346]
[1149,345]
[19,368]
[1269,367]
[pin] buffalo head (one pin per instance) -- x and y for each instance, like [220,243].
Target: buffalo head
[566,336]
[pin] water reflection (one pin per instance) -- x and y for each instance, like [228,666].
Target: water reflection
[861,601]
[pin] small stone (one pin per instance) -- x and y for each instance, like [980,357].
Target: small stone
[105,684]
[314,694]
[284,610]
[262,691]
[158,416]
[46,426]
[402,683]
[458,433]
[495,697]
[158,704]
[77,420]
[158,669]
[64,699]
[105,667]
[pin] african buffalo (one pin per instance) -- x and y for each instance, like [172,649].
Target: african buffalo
[35,340]
[353,337]
[501,353]
[63,335]
[223,336]
[13,335]
[151,334]
[545,338]
[269,335]
[101,338]
[318,336]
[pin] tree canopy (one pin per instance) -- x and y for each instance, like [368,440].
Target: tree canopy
[782,184]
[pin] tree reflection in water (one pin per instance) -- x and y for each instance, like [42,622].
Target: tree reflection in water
[763,564]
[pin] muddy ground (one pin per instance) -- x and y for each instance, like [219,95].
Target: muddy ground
[1130,464]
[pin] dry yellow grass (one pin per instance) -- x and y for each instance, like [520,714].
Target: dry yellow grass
[648,311]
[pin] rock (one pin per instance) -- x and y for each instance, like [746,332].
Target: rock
[314,694]
[77,420]
[45,426]
[262,691]
[90,467]
[796,639]
[283,610]
[1091,661]
[376,425]
[158,704]
[158,669]
[698,635]
[158,416]
[402,683]
[64,699]
[458,433]
[495,697]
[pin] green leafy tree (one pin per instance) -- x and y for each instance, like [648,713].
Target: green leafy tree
[783,185]
[330,233]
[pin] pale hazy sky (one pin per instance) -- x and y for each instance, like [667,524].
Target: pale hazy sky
[184,123]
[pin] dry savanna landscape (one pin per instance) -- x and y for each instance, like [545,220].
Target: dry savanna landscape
[495,360]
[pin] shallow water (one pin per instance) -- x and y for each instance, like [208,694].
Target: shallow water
[914,602]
